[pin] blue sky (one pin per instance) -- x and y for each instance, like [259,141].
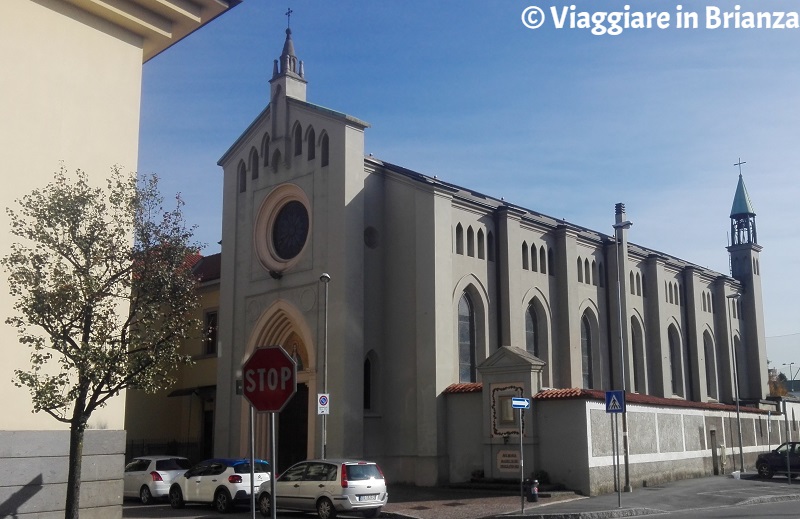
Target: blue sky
[560,121]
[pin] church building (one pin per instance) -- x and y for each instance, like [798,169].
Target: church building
[420,306]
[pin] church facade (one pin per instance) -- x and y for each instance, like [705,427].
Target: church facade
[428,285]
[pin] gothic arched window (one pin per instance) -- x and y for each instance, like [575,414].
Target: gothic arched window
[466,340]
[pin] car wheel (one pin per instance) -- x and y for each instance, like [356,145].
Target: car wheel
[176,497]
[145,496]
[764,470]
[222,501]
[264,504]
[372,512]
[325,509]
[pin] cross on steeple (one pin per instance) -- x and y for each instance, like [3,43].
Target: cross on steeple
[289,17]
[740,165]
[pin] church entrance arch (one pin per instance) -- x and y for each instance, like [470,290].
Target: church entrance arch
[284,325]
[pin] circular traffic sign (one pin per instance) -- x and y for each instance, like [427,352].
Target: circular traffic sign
[269,379]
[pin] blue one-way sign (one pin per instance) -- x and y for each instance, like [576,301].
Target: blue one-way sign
[520,403]
[615,401]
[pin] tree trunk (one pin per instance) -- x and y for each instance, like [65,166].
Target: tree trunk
[76,431]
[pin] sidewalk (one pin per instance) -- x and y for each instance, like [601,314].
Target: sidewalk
[692,494]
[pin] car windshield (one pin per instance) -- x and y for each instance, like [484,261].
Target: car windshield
[783,448]
[173,464]
[362,472]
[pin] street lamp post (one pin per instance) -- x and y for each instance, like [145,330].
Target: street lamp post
[617,228]
[325,278]
[735,299]
[791,380]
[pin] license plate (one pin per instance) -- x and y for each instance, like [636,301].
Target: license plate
[368,497]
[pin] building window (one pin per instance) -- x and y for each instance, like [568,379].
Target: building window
[586,352]
[311,143]
[711,369]
[242,177]
[367,384]
[324,150]
[481,245]
[466,340]
[675,361]
[210,333]
[532,330]
[459,239]
[524,255]
[298,140]
[253,164]
[470,242]
[490,245]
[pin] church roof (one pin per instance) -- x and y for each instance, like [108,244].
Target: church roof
[741,201]
[489,203]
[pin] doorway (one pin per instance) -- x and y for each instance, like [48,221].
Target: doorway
[293,430]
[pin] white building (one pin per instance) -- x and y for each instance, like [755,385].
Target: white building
[70,92]
[429,281]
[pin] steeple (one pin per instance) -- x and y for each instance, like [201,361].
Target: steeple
[287,72]
[743,217]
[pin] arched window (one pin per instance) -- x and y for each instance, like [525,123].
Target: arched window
[534,255]
[542,261]
[586,352]
[470,242]
[711,367]
[524,255]
[459,239]
[324,150]
[466,340]
[490,245]
[481,251]
[298,140]
[311,142]
[639,357]
[631,283]
[644,286]
[242,177]
[675,361]
[588,275]
[253,163]
[703,295]
[532,330]
[367,384]
[594,273]
[580,271]
[671,293]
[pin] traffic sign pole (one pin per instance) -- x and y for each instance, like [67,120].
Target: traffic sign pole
[269,381]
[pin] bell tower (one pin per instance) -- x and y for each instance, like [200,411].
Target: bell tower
[745,265]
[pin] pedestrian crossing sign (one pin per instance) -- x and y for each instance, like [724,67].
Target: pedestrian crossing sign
[615,401]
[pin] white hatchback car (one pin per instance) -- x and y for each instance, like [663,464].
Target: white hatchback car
[327,487]
[149,477]
[222,482]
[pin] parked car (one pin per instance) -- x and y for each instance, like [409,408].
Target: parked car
[149,477]
[770,463]
[328,487]
[222,482]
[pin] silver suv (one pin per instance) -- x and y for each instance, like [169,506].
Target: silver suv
[328,486]
[223,482]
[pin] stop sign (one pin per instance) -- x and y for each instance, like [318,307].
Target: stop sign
[269,379]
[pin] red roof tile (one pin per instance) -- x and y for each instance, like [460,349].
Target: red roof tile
[469,387]
[635,398]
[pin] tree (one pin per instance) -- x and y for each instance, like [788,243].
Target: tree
[103,295]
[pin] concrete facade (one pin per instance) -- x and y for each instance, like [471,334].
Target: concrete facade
[428,280]
[71,90]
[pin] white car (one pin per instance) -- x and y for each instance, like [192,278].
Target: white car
[149,477]
[328,487]
[222,482]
